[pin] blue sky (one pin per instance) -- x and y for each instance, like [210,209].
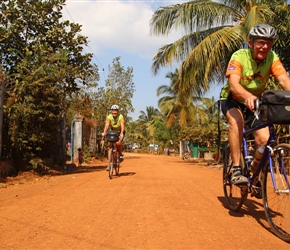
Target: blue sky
[121,28]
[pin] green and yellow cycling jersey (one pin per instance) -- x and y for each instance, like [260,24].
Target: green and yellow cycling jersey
[115,123]
[253,76]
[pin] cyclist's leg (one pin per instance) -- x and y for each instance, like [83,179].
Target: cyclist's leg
[109,158]
[120,150]
[236,123]
[261,139]
[234,115]
[115,152]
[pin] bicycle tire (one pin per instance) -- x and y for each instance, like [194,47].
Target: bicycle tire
[111,162]
[234,195]
[277,201]
[185,157]
[117,165]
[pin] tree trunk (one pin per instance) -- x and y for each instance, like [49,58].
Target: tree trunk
[2,91]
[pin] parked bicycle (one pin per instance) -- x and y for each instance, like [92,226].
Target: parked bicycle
[187,155]
[270,181]
[113,155]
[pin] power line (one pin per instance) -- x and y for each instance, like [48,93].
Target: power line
[87,44]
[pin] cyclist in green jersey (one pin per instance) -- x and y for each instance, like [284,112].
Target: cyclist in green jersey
[116,122]
[248,72]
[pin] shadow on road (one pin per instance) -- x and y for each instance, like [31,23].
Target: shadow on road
[126,174]
[251,207]
[84,169]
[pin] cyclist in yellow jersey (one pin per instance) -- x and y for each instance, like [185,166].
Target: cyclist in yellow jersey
[248,72]
[116,122]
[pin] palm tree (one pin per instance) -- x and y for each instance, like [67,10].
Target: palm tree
[214,30]
[208,110]
[176,104]
[146,120]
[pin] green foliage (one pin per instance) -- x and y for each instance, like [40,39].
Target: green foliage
[35,103]
[201,134]
[87,155]
[38,165]
[27,25]
[135,134]
[43,57]
[151,128]
[161,133]
[119,90]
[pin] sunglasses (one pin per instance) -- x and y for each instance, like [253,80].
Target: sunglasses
[262,43]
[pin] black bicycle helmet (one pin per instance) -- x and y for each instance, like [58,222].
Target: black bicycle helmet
[264,31]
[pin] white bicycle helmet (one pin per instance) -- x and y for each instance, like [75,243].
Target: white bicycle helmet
[115,107]
[264,31]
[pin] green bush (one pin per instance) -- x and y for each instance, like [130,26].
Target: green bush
[87,155]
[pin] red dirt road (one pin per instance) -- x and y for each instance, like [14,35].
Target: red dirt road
[158,202]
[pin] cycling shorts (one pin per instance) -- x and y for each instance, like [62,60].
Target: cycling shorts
[249,117]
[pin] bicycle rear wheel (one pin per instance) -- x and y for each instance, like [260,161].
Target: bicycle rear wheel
[111,162]
[277,199]
[185,157]
[235,195]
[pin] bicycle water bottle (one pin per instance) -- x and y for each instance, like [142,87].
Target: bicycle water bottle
[258,155]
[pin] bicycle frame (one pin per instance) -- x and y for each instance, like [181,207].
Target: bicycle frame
[266,156]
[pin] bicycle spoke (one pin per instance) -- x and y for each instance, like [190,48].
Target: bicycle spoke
[276,193]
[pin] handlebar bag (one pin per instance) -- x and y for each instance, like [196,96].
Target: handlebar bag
[112,136]
[275,106]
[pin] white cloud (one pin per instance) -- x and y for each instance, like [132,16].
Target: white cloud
[122,25]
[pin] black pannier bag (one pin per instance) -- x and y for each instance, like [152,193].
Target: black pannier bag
[275,106]
[112,136]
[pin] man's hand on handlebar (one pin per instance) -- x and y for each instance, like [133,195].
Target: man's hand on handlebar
[250,102]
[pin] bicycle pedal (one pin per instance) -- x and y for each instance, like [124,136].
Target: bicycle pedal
[256,192]
[257,195]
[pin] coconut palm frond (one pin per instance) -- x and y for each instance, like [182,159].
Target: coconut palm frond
[191,16]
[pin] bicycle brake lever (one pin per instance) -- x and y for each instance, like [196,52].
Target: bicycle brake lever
[257,104]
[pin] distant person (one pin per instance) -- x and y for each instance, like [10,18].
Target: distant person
[116,122]
[80,156]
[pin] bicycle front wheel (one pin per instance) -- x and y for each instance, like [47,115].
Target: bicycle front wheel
[235,195]
[111,162]
[276,192]
[117,165]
